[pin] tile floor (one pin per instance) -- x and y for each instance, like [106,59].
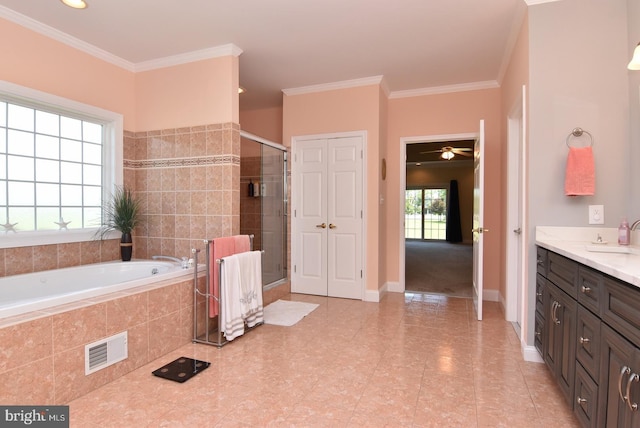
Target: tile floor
[409,361]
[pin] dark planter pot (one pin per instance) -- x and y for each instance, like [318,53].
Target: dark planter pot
[126,247]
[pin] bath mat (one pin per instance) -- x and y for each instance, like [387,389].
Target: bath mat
[182,369]
[286,312]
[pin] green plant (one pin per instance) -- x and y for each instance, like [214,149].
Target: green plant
[122,212]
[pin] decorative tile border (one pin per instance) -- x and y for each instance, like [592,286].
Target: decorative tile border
[182,162]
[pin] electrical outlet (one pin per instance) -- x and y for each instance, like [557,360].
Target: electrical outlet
[596,214]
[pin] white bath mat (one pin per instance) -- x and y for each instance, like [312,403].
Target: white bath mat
[287,312]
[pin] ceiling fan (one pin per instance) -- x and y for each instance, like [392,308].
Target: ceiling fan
[448,152]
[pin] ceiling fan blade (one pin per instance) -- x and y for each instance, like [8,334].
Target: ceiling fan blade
[432,151]
[463,149]
[463,153]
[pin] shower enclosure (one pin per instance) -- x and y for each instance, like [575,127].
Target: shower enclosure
[263,209]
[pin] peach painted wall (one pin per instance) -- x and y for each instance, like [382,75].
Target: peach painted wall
[265,123]
[382,192]
[344,110]
[195,93]
[38,62]
[453,113]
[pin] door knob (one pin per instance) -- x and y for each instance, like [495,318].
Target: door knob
[479,230]
[332,226]
[322,226]
[517,231]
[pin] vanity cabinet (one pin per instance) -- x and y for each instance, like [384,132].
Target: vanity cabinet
[590,340]
[560,337]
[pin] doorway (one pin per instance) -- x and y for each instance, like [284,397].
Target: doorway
[428,262]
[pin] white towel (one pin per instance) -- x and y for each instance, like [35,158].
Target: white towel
[250,265]
[241,293]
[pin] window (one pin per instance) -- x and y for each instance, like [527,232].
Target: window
[58,159]
[425,213]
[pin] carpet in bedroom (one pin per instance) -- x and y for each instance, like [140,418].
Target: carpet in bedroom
[439,267]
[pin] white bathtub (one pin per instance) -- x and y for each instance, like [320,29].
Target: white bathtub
[41,290]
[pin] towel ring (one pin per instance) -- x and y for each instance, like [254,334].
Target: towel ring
[577,132]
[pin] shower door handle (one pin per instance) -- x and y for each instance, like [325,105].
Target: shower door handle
[332,226]
[321,226]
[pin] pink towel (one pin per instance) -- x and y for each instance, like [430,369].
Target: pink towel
[223,247]
[580,177]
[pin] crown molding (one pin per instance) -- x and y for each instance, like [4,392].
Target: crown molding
[65,38]
[344,84]
[474,86]
[215,52]
[37,26]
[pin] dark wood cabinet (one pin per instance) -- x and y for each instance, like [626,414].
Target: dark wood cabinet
[619,391]
[587,328]
[560,338]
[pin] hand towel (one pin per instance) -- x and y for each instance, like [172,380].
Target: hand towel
[580,173]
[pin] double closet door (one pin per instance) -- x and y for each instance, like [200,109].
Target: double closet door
[327,223]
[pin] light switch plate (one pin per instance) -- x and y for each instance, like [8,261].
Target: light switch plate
[596,214]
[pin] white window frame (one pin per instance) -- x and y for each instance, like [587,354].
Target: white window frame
[112,165]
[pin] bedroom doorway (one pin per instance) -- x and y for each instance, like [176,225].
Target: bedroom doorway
[431,263]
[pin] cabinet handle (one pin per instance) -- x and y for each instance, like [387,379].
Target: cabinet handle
[581,400]
[633,378]
[539,294]
[540,262]
[584,340]
[537,334]
[554,315]
[585,290]
[625,370]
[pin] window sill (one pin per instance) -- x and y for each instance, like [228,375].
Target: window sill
[29,239]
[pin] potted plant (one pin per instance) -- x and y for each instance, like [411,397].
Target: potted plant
[121,213]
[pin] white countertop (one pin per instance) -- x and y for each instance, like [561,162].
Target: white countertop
[572,242]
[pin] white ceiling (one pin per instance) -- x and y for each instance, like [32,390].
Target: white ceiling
[417,45]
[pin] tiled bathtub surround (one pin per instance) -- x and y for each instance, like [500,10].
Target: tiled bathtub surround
[188,180]
[42,353]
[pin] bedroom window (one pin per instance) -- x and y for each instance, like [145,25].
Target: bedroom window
[57,162]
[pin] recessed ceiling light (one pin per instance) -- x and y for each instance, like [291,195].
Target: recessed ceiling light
[76,4]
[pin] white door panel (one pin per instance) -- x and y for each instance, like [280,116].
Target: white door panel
[327,241]
[478,220]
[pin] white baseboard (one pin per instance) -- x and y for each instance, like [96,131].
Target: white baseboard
[374,295]
[531,354]
[490,295]
[393,287]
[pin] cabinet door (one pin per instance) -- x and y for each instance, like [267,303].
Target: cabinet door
[566,345]
[560,338]
[588,341]
[618,361]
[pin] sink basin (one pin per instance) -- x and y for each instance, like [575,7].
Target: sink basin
[611,249]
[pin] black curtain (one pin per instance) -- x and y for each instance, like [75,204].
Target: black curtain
[454,229]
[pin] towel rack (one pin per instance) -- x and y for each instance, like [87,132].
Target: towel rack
[578,132]
[212,335]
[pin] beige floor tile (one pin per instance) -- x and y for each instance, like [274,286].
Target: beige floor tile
[410,360]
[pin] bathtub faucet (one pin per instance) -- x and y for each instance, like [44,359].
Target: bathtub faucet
[184,262]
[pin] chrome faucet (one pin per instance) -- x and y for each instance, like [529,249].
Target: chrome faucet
[634,225]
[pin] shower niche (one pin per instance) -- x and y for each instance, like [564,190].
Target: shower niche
[263,210]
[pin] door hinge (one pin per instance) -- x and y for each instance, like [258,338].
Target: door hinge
[361,215]
[361,274]
[361,154]
[295,268]
[295,213]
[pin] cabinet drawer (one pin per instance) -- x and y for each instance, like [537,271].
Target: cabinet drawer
[541,261]
[621,309]
[563,273]
[590,289]
[539,293]
[586,398]
[588,341]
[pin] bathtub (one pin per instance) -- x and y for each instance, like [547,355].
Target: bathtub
[29,292]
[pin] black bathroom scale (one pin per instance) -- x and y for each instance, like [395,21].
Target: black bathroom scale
[181,370]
